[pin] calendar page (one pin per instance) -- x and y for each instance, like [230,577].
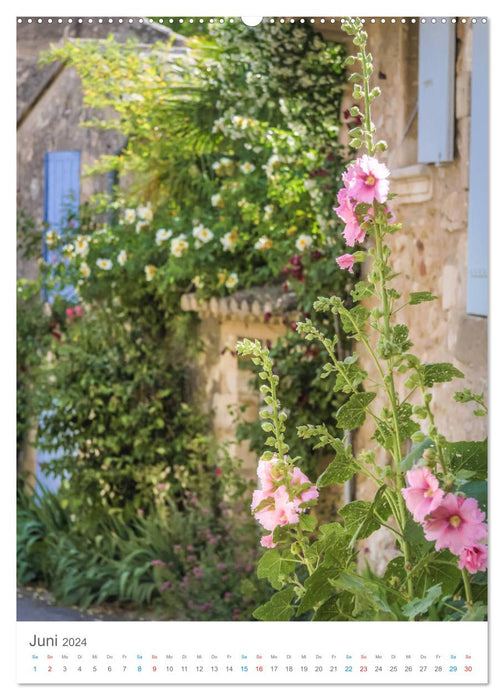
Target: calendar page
[252,350]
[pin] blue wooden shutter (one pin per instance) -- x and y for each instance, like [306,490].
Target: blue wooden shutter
[61,197]
[477,245]
[436,86]
[61,187]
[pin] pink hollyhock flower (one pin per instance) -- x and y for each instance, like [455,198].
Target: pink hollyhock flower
[366,180]
[78,310]
[474,558]
[299,478]
[264,473]
[346,262]
[70,313]
[423,494]
[456,524]
[267,541]
[258,496]
[346,212]
[283,511]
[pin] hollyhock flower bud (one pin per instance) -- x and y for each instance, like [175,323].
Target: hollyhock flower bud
[474,558]
[456,524]
[346,262]
[423,494]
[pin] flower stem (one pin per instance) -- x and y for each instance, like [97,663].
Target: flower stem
[467,589]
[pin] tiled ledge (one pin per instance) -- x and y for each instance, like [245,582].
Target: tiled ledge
[249,303]
[412,184]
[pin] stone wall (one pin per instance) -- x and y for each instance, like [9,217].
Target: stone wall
[224,322]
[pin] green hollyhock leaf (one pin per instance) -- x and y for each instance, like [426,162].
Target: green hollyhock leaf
[477,614]
[275,567]
[395,573]
[362,290]
[420,297]
[352,414]
[332,545]
[307,523]
[370,593]
[439,372]
[438,567]
[277,609]
[350,376]
[468,456]
[342,468]
[360,516]
[318,588]
[385,433]
[328,611]
[477,490]
[414,534]
[400,338]
[417,606]
[355,321]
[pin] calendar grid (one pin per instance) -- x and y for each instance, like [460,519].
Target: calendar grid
[262,653]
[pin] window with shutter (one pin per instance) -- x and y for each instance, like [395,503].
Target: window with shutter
[436,92]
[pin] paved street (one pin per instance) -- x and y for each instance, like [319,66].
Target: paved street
[31,608]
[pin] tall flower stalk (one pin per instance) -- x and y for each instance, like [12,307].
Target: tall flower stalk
[427,498]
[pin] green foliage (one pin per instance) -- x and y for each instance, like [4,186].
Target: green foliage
[275,568]
[35,322]
[116,401]
[342,468]
[468,460]
[174,564]
[245,181]
[278,608]
[352,414]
